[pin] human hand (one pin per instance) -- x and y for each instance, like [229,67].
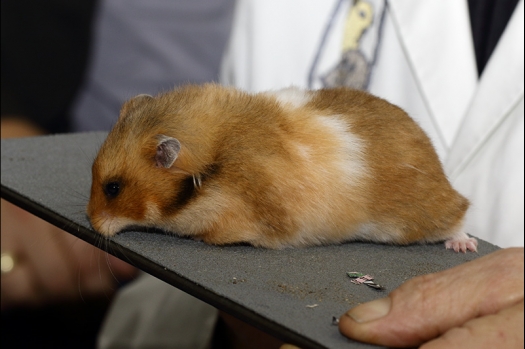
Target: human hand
[52,265]
[478,304]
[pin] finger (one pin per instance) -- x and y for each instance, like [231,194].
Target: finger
[100,272]
[33,244]
[120,269]
[427,306]
[17,287]
[10,215]
[52,265]
[16,283]
[501,330]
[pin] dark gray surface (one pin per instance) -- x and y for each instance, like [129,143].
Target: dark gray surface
[51,176]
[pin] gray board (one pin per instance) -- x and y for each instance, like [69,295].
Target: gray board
[292,294]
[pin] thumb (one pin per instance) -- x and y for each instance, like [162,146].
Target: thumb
[370,323]
[427,306]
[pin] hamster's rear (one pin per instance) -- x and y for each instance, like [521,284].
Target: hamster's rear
[276,169]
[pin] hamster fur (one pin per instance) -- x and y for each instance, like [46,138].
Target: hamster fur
[275,169]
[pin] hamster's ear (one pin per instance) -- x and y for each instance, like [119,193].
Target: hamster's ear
[168,149]
[133,103]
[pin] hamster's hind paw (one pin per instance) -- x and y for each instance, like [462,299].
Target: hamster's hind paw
[462,243]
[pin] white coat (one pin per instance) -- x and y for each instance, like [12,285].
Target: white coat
[424,61]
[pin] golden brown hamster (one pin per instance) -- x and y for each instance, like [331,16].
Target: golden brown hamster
[274,169]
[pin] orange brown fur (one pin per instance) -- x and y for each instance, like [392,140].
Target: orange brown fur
[278,169]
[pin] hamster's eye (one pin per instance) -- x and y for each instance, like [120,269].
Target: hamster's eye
[112,189]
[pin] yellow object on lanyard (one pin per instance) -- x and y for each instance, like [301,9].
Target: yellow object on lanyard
[359,18]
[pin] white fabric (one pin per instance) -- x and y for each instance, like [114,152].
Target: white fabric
[148,313]
[426,64]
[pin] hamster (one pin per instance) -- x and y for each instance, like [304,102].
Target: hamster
[277,169]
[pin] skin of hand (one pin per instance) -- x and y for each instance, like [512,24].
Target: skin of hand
[478,304]
[50,264]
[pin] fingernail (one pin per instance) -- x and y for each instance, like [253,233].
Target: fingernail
[370,311]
